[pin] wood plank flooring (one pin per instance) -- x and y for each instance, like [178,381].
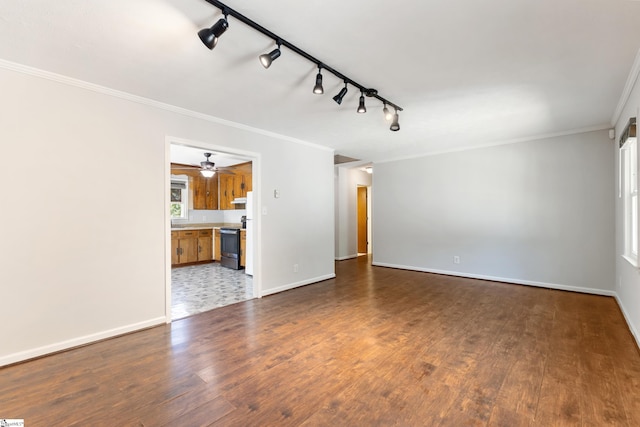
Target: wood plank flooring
[373,347]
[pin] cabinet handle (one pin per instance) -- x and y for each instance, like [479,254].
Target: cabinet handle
[199,249]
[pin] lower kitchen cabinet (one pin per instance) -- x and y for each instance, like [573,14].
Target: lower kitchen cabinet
[205,245]
[243,247]
[216,244]
[189,246]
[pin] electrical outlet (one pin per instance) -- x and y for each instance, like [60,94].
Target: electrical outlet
[456,259]
[295,268]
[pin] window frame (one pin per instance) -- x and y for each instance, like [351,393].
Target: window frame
[184,203]
[629,192]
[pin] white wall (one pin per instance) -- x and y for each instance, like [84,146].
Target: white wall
[84,252]
[628,277]
[537,213]
[348,177]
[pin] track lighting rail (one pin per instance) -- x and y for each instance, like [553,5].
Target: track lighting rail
[372,93]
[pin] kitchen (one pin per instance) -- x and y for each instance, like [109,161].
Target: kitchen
[211,206]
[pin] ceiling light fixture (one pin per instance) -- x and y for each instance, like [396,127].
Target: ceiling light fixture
[341,94]
[209,36]
[267,59]
[318,89]
[361,108]
[207,168]
[395,125]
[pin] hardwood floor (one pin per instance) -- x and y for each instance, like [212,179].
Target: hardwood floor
[373,347]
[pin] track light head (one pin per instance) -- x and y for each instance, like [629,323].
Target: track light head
[361,107]
[268,58]
[387,114]
[209,36]
[395,125]
[318,89]
[341,94]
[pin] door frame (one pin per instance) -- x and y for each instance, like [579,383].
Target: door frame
[256,160]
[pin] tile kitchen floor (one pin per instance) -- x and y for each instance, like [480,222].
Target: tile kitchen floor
[199,288]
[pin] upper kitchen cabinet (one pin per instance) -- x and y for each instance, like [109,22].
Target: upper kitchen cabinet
[205,193]
[234,183]
[229,184]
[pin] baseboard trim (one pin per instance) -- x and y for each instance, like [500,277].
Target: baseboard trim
[298,284]
[342,258]
[603,292]
[77,342]
[627,318]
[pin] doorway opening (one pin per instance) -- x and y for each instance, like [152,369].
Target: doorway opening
[363,220]
[196,280]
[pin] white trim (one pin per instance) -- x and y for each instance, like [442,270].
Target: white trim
[76,342]
[498,143]
[342,258]
[298,284]
[24,69]
[627,318]
[502,279]
[167,233]
[628,88]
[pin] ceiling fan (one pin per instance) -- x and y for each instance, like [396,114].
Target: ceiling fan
[207,167]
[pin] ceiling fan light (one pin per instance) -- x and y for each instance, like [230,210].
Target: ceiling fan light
[207,173]
[209,36]
[268,58]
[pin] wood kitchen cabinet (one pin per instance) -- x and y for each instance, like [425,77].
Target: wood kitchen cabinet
[205,192]
[205,245]
[216,244]
[175,259]
[243,247]
[233,186]
[189,246]
[184,246]
[227,190]
[218,191]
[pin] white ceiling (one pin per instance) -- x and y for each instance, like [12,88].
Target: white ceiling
[466,72]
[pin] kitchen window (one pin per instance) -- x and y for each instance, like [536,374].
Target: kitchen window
[178,203]
[629,191]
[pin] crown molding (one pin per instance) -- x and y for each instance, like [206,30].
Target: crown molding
[70,81]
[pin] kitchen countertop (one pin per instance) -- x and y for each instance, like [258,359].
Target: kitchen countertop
[178,227]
